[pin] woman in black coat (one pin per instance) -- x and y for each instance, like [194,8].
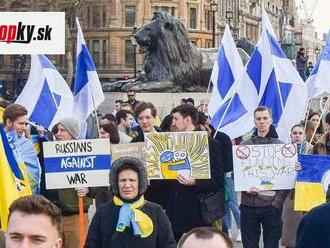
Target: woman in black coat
[128,220]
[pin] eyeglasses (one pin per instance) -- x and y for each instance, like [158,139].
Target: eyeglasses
[130,95]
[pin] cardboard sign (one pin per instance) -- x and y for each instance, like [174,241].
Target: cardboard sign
[266,167]
[77,163]
[137,150]
[170,154]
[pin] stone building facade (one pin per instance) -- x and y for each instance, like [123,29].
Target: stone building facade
[107,26]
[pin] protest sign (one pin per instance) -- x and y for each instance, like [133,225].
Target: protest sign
[137,150]
[170,154]
[77,163]
[266,167]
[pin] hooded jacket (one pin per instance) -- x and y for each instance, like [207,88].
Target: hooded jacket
[262,200]
[102,231]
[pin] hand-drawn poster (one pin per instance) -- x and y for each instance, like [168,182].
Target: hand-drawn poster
[312,182]
[266,167]
[137,150]
[170,154]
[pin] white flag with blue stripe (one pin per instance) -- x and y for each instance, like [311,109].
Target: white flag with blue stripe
[88,94]
[46,95]
[285,93]
[234,94]
[227,68]
[318,81]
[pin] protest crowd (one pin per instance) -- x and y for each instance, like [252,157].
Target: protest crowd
[189,204]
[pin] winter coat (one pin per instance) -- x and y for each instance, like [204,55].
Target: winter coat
[313,230]
[291,220]
[301,62]
[102,231]
[182,203]
[259,200]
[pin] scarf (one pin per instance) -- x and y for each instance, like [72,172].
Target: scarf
[130,213]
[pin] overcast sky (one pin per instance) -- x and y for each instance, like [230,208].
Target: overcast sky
[321,15]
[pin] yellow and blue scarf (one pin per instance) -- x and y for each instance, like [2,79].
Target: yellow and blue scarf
[130,213]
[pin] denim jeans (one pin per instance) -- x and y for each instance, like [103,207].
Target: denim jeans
[232,205]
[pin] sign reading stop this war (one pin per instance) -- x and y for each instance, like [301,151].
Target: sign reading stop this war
[266,167]
[77,163]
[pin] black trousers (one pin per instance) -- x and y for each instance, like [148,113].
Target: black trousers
[252,218]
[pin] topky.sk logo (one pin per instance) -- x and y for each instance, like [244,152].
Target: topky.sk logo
[32,32]
[21,33]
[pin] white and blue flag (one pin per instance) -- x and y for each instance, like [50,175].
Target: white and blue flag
[46,95]
[285,93]
[88,94]
[227,68]
[269,79]
[234,94]
[318,81]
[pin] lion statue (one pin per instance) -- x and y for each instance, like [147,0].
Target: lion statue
[172,63]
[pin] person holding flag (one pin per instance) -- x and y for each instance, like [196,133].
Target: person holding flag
[14,180]
[14,123]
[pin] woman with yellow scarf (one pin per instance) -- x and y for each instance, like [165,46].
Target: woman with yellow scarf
[128,220]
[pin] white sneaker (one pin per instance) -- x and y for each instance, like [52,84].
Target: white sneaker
[239,236]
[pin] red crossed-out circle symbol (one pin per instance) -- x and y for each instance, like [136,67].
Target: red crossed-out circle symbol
[243,152]
[289,150]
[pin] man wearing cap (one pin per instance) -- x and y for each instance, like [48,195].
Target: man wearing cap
[67,199]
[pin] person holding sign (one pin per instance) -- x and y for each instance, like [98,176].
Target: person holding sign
[262,207]
[67,199]
[128,220]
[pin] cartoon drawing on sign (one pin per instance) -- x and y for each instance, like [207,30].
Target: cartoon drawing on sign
[174,163]
[171,154]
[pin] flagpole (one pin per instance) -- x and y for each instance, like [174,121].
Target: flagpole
[207,95]
[305,124]
[283,109]
[226,110]
[97,119]
[320,119]
[82,224]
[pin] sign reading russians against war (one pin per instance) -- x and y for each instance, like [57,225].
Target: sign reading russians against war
[266,167]
[75,163]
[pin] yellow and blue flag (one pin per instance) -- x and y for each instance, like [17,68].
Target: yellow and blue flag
[312,182]
[14,181]
[1,113]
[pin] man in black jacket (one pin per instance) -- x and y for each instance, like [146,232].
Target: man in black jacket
[182,196]
[262,207]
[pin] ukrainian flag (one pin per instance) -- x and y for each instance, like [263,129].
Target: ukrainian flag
[311,186]
[14,182]
[1,113]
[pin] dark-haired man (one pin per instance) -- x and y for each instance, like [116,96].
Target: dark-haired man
[131,99]
[15,119]
[146,115]
[182,197]
[262,208]
[124,119]
[34,222]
